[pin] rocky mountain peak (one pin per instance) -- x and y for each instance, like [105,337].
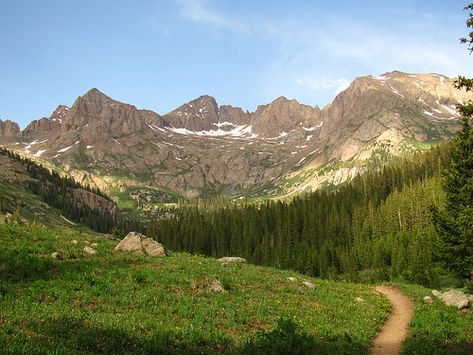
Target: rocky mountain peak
[9,129]
[44,126]
[201,144]
[196,115]
[95,94]
[94,106]
[59,113]
[91,103]
[282,116]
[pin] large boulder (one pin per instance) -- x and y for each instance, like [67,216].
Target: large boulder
[455,298]
[140,244]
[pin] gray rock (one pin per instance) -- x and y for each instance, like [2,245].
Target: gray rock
[89,250]
[455,298]
[93,244]
[309,284]
[74,241]
[428,299]
[215,286]
[56,255]
[234,259]
[140,244]
[437,294]
[359,300]
[290,278]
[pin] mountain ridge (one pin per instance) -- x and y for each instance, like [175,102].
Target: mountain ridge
[201,147]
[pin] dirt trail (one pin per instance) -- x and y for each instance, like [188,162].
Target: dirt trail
[393,332]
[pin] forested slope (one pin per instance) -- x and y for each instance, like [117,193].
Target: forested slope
[378,226]
[87,205]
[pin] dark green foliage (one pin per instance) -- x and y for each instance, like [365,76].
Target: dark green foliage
[455,222]
[379,223]
[287,338]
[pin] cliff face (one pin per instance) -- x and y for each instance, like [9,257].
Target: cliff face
[201,146]
[9,130]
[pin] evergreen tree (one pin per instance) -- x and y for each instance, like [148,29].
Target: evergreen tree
[455,222]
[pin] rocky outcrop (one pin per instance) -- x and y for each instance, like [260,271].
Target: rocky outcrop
[9,129]
[93,201]
[282,117]
[140,244]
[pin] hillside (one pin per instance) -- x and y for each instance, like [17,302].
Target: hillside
[40,194]
[203,149]
[367,230]
[113,302]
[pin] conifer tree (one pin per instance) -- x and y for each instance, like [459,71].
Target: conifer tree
[455,222]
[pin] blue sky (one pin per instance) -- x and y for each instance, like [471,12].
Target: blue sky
[160,54]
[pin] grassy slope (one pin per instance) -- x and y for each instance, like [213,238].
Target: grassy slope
[436,328]
[116,302]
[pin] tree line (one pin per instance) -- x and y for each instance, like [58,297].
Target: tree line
[377,226]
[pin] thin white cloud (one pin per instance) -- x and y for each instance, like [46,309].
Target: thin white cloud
[199,11]
[333,85]
[314,60]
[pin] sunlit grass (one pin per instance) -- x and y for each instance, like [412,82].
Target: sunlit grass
[117,302]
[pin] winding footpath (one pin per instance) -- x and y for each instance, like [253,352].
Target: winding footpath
[389,339]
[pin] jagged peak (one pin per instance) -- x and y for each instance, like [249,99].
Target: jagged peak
[7,121]
[281,99]
[204,100]
[8,128]
[95,94]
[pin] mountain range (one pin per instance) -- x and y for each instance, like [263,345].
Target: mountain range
[202,149]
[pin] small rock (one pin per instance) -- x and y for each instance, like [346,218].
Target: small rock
[229,259]
[359,300]
[215,286]
[428,299]
[86,242]
[309,284]
[56,255]
[93,244]
[89,250]
[437,294]
[455,298]
[74,241]
[290,278]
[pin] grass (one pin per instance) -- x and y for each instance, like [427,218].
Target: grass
[436,328]
[114,302]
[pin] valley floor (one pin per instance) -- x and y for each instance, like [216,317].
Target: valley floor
[114,302]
